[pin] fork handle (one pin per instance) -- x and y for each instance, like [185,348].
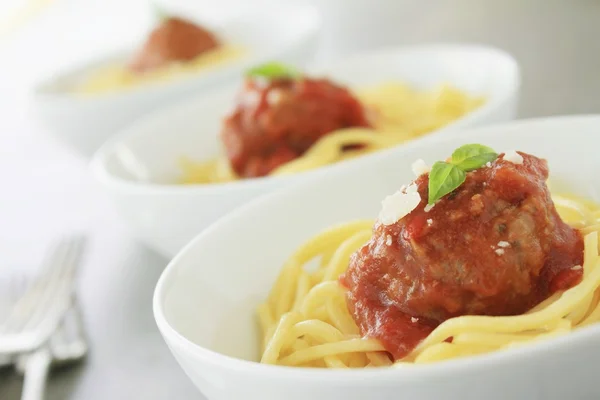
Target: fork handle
[36,373]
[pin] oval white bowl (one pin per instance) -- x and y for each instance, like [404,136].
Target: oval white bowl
[85,122]
[137,166]
[205,299]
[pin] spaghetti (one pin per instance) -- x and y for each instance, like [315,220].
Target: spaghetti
[399,114]
[116,77]
[306,322]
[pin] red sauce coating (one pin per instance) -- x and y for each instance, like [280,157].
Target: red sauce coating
[175,39]
[275,122]
[448,262]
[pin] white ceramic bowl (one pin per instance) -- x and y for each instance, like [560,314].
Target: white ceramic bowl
[205,299]
[85,122]
[137,166]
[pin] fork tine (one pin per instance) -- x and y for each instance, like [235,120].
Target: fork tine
[25,306]
[48,297]
[62,279]
[48,266]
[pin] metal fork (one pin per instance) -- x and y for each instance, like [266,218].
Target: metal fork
[11,289]
[67,345]
[37,313]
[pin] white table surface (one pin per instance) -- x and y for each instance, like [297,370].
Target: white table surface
[45,190]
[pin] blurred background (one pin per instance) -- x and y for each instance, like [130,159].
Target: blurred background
[553,39]
[46,188]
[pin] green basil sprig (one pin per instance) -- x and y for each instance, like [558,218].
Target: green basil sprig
[273,70]
[159,13]
[445,177]
[472,156]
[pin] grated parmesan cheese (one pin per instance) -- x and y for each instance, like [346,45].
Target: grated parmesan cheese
[428,207]
[429,222]
[250,98]
[398,205]
[260,82]
[414,320]
[503,243]
[419,167]
[488,164]
[499,251]
[388,240]
[576,268]
[513,157]
[274,97]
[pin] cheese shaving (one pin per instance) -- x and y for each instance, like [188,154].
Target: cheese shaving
[419,167]
[398,205]
[513,157]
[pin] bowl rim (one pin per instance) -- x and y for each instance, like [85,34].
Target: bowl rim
[99,159]
[378,375]
[40,91]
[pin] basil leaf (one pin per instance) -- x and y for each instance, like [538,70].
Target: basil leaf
[273,70]
[472,156]
[444,178]
[160,14]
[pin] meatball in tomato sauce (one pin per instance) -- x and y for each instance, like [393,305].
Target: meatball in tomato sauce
[175,39]
[494,246]
[277,121]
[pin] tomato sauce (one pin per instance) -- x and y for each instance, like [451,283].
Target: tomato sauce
[277,121]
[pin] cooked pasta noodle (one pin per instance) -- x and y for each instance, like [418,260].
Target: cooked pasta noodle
[305,320]
[399,113]
[117,77]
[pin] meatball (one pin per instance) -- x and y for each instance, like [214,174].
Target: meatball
[493,246]
[175,39]
[275,122]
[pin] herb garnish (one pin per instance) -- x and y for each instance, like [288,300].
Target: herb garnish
[273,70]
[445,177]
[159,13]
